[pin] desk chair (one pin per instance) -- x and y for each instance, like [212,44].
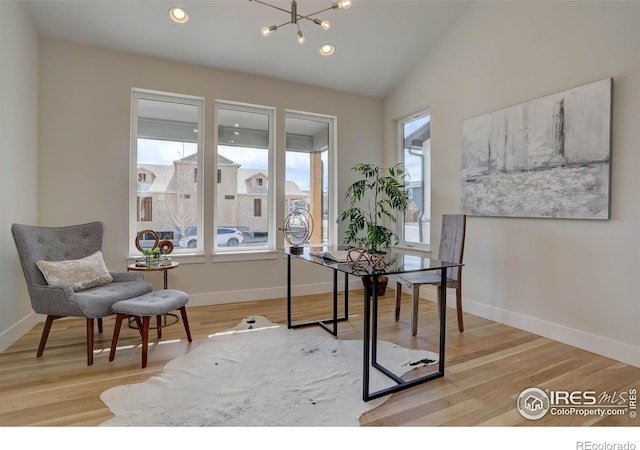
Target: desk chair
[451,250]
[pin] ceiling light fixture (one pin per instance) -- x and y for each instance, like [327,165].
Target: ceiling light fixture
[327,49]
[295,18]
[178,14]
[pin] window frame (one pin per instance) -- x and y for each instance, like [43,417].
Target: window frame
[332,177]
[138,94]
[219,253]
[426,176]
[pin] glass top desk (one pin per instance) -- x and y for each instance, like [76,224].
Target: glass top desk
[396,262]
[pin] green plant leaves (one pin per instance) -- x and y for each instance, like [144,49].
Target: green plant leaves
[374,199]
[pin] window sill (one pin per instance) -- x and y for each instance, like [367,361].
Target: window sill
[419,250]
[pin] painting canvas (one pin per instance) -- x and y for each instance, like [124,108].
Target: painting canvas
[547,158]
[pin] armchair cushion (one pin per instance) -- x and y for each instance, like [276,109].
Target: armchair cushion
[80,274]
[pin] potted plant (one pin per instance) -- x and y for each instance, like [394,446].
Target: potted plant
[152,256]
[375,200]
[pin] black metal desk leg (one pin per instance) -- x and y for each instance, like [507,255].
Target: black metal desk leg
[443,316]
[374,323]
[366,344]
[335,302]
[288,291]
[346,294]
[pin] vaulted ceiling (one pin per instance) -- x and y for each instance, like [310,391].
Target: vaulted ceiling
[376,41]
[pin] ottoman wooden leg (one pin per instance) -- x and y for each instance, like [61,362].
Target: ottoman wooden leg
[159,326]
[185,321]
[145,340]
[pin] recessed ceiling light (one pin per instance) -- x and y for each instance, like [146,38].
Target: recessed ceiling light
[178,14]
[327,49]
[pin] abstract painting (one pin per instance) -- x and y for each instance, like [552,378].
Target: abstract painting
[547,158]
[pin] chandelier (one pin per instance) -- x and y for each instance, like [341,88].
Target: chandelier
[295,18]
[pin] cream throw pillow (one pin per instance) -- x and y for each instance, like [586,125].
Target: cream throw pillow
[78,273]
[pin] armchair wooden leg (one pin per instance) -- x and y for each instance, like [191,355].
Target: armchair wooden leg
[116,335]
[185,321]
[90,341]
[138,324]
[45,334]
[398,300]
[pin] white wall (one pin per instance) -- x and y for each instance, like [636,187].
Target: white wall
[18,153]
[571,280]
[84,153]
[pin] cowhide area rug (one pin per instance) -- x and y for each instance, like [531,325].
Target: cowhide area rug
[261,374]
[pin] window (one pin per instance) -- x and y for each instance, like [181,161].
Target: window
[244,165]
[309,164]
[257,207]
[166,157]
[415,151]
[145,209]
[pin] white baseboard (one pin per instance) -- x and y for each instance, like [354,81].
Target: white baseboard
[620,351]
[11,335]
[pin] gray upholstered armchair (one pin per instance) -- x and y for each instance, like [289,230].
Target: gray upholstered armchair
[80,285]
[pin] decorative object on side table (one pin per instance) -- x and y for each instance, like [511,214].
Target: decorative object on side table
[155,256]
[374,202]
[297,229]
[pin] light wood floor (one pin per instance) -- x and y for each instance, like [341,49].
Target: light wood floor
[487,367]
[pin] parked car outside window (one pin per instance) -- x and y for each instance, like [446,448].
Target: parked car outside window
[225,237]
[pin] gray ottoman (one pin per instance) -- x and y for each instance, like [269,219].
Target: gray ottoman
[144,307]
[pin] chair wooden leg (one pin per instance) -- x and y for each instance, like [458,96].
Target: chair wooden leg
[116,335]
[185,321]
[415,299]
[90,322]
[398,299]
[100,325]
[459,309]
[45,334]
[145,339]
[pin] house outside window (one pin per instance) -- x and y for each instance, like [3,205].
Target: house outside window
[166,156]
[415,153]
